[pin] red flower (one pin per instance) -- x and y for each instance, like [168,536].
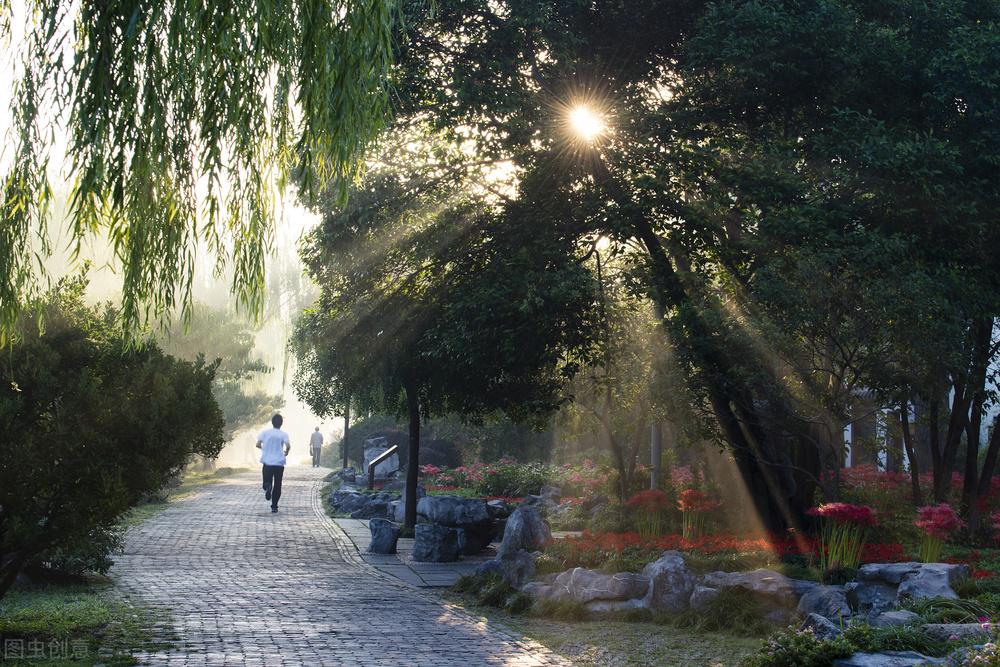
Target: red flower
[695,500]
[845,513]
[652,500]
[938,521]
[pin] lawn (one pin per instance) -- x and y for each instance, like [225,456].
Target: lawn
[602,643]
[78,624]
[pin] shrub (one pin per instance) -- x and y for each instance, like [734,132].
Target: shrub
[798,648]
[519,603]
[901,638]
[91,553]
[98,423]
[734,610]
[944,610]
[494,591]
[560,610]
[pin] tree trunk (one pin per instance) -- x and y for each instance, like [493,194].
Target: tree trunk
[778,504]
[10,566]
[347,430]
[413,460]
[904,424]
[990,462]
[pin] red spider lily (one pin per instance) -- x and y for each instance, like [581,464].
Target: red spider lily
[430,469]
[652,500]
[938,521]
[845,513]
[696,500]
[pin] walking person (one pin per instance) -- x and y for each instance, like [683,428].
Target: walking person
[316,446]
[274,446]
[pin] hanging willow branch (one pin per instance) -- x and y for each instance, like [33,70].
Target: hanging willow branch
[184,118]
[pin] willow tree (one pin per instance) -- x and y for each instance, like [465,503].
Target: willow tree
[182,121]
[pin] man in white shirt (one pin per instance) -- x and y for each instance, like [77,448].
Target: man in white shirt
[274,446]
[315,446]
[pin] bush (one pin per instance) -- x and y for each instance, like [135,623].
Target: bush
[98,423]
[560,610]
[91,553]
[798,648]
[514,480]
[733,610]
[944,610]
[901,638]
[519,603]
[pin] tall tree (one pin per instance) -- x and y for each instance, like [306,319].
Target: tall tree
[182,118]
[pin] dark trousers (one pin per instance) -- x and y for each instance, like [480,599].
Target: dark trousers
[316,457]
[272,481]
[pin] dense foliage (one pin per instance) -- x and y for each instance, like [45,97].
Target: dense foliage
[94,425]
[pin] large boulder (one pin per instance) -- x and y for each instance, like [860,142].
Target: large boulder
[891,619]
[525,530]
[375,448]
[887,659]
[821,626]
[582,585]
[373,509]
[670,583]
[516,569]
[916,580]
[880,586]
[765,583]
[828,601]
[435,543]
[346,501]
[702,595]
[943,632]
[385,534]
[453,511]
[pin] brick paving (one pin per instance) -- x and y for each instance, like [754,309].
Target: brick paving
[243,586]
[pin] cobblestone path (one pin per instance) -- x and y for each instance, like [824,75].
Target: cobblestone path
[243,586]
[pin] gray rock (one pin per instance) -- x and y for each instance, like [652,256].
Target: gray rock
[385,533]
[702,595]
[767,583]
[584,586]
[944,631]
[435,543]
[887,659]
[475,538]
[373,509]
[670,583]
[373,449]
[525,530]
[614,606]
[498,509]
[916,580]
[934,580]
[821,626]
[537,589]
[516,569]
[347,501]
[870,597]
[888,619]
[828,601]
[453,511]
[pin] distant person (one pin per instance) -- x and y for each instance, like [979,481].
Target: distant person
[316,446]
[274,446]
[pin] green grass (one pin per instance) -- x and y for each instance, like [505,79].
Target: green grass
[82,619]
[189,483]
[600,643]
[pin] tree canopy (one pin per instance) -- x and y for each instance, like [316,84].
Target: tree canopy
[183,121]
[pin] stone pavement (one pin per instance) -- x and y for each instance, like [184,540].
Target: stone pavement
[243,586]
[401,564]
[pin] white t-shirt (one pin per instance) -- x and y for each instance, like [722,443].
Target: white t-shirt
[315,440]
[272,451]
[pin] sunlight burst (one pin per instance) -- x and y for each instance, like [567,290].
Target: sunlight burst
[587,124]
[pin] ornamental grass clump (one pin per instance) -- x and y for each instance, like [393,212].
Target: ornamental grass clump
[845,528]
[650,509]
[937,522]
[694,504]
